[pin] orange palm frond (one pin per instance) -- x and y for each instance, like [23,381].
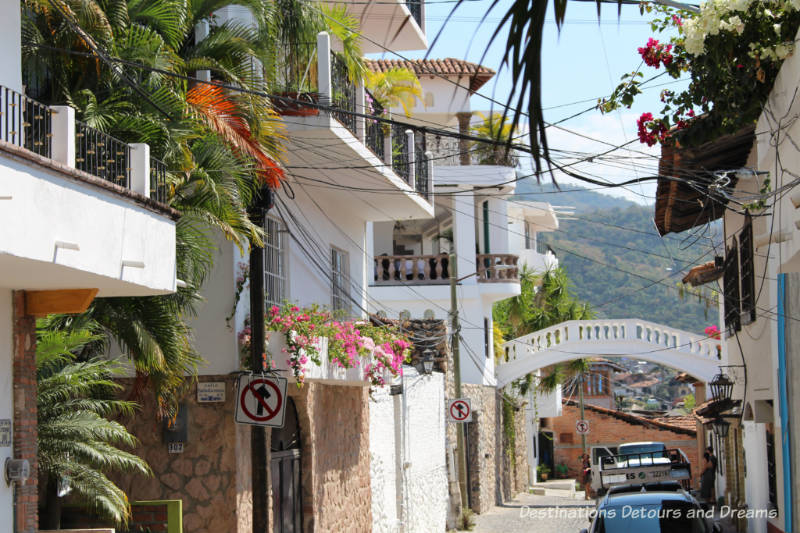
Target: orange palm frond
[222,114]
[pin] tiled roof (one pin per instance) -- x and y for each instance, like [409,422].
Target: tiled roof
[661,423]
[685,421]
[448,66]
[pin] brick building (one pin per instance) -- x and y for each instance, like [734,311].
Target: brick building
[609,428]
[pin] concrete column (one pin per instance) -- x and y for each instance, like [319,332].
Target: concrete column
[63,124]
[201,32]
[10,37]
[464,234]
[412,167]
[140,168]
[361,126]
[463,144]
[324,67]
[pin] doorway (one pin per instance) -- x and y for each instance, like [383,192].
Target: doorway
[285,478]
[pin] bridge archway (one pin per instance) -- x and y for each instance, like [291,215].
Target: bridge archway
[694,354]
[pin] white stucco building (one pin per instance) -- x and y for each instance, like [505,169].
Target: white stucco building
[72,228]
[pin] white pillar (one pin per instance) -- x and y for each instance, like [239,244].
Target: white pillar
[63,141]
[324,67]
[201,32]
[10,37]
[140,168]
[361,125]
[412,167]
[464,234]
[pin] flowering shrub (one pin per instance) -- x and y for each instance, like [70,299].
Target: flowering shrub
[348,342]
[713,332]
[732,50]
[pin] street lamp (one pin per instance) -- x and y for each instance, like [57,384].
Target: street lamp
[427,361]
[721,427]
[721,387]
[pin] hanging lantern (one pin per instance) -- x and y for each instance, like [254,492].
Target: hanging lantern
[721,387]
[721,427]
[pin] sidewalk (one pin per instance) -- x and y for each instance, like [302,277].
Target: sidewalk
[533,512]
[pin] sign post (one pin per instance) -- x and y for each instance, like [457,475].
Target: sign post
[459,410]
[261,400]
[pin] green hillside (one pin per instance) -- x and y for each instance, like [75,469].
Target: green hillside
[596,251]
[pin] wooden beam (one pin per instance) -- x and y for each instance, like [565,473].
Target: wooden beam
[67,301]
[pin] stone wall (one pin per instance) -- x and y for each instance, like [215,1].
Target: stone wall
[515,472]
[334,425]
[212,476]
[484,434]
[25,430]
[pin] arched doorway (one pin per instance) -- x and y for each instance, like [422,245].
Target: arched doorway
[285,478]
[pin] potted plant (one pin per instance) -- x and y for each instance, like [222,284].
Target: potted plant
[543,471]
[561,471]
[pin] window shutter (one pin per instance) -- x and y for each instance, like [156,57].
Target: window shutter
[731,290]
[747,264]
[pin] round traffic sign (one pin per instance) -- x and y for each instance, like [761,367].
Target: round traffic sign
[262,390]
[582,427]
[459,410]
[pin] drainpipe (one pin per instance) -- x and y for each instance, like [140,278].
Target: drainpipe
[784,406]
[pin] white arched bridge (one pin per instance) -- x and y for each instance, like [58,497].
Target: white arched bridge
[694,354]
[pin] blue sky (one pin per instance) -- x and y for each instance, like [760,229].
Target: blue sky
[582,62]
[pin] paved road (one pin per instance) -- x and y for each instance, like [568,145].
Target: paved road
[542,514]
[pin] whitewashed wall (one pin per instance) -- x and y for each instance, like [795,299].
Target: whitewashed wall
[11,58]
[408,469]
[6,402]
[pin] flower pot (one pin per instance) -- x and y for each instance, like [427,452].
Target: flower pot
[293,106]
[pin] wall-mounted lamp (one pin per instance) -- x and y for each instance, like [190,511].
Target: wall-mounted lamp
[721,387]
[427,361]
[721,427]
[17,470]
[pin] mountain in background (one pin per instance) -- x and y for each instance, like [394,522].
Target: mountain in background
[617,261]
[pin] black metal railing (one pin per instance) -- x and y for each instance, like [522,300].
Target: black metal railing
[25,122]
[292,69]
[158,180]
[102,155]
[400,150]
[343,94]
[415,6]
[374,130]
[421,164]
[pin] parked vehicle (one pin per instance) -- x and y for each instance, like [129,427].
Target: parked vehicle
[639,509]
[643,462]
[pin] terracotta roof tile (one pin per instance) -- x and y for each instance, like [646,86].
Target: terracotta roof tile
[661,423]
[448,66]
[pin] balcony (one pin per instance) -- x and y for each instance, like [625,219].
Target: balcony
[390,24]
[434,269]
[361,159]
[92,207]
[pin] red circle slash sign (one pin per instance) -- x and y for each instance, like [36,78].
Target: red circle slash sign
[459,410]
[261,394]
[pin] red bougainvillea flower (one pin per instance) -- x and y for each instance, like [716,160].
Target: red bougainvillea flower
[650,130]
[656,54]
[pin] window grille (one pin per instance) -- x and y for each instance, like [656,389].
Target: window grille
[275,282]
[339,277]
[731,290]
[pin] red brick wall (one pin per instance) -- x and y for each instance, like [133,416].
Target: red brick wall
[25,434]
[606,430]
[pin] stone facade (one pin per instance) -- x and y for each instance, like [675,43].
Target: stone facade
[612,428]
[211,476]
[25,430]
[515,472]
[484,435]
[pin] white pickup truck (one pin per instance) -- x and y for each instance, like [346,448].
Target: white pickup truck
[640,462]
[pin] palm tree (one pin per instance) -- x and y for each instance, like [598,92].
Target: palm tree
[78,443]
[495,127]
[396,87]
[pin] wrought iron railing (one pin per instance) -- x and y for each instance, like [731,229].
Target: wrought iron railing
[400,151]
[102,155]
[415,6]
[344,94]
[25,122]
[374,130]
[421,164]
[158,180]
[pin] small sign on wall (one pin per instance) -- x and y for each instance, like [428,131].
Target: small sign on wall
[5,433]
[175,447]
[211,392]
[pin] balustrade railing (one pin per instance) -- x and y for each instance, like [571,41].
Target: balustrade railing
[344,94]
[412,269]
[102,155]
[25,122]
[497,267]
[158,180]
[374,130]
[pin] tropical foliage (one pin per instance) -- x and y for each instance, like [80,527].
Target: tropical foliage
[396,87]
[79,444]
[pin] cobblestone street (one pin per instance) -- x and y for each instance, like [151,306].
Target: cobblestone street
[530,512]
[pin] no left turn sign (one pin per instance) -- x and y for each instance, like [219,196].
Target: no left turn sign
[261,401]
[459,410]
